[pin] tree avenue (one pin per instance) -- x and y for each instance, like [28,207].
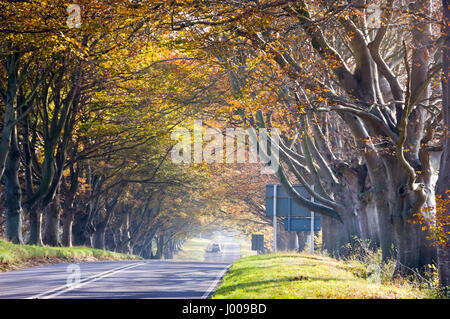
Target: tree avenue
[357,91]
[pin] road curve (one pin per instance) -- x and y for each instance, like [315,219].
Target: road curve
[114,279]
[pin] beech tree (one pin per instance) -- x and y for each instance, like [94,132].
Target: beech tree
[381,83]
[351,86]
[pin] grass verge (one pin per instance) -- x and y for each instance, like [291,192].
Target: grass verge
[13,256]
[293,275]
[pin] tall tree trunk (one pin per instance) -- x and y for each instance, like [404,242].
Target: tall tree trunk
[159,246]
[67,219]
[13,193]
[68,207]
[383,213]
[337,236]
[36,225]
[169,250]
[10,99]
[100,229]
[286,240]
[331,241]
[81,229]
[302,238]
[368,220]
[126,237]
[99,237]
[147,248]
[444,171]
[414,251]
[386,229]
[52,221]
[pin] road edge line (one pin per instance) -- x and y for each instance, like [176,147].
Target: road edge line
[215,282]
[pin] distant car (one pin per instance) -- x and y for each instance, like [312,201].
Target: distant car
[215,248]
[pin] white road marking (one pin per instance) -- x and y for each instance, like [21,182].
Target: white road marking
[215,282]
[63,289]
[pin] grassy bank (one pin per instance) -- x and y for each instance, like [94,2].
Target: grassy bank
[14,256]
[292,275]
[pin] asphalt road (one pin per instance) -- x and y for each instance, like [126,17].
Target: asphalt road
[123,279]
[120,279]
[231,251]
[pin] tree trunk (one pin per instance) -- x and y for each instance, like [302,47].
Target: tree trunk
[302,238]
[80,230]
[169,250]
[414,251]
[13,195]
[126,238]
[387,241]
[52,220]
[147,248]
[67,219]
[99,237]
[286,240]
[36,226]
[100,229]
[159,247]
[331,240]
[10,99]
[444,171]
[369,223]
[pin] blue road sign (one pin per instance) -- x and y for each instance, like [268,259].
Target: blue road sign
[286,207]
[301,224]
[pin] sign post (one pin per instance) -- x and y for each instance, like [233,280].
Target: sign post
[298,218]
[311,246]
[275,218]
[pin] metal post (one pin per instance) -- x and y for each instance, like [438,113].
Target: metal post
[289,213]
[275,217]
[311,245]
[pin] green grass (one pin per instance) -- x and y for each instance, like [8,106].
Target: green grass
[13,256]
[293,275]
[193,250]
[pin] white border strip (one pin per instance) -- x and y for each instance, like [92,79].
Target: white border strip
[215,282]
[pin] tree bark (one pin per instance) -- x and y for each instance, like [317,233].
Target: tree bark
[10,99]
[100,229]
[159,247]
[67,219]
[52,221]
[36,226]
[147,248]
[99,237]
[442,189]
[302,238]
[286,240]
[126,237]
[414,251]
[80,230]
[13,193]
